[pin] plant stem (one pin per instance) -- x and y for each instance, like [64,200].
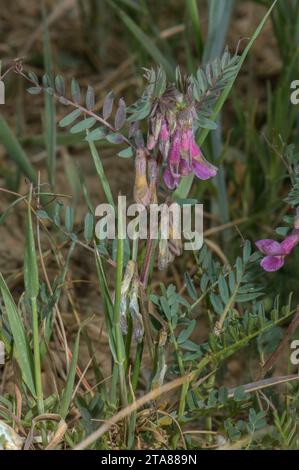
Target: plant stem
[120,348]
[182,371]
[100,171]
[135,249]
[185,386]
[134,382]
[147,262]
[114,381]
[37,362]
[209,421]
[229,305]
[137,365]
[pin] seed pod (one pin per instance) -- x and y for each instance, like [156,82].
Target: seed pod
[163,258]
[125,287]
[123,316]
[128,276]
[141,189]
[138,327]
[175,247]
[161,363]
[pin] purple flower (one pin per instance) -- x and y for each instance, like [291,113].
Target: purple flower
[276,252]
[185,157]
[171,131]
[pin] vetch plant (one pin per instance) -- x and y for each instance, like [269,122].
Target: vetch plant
[171,336]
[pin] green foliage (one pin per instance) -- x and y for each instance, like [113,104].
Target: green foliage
[227,287]
[30,261]
[208,83]
[15,150]
[292,158]
[69,389]
[21,347]
[198,325]
[50,110]
[105,130]
[286,428]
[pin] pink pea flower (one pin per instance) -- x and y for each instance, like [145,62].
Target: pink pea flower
[185,157]
[172,132]
[170,180]
[276,252]
[200,166]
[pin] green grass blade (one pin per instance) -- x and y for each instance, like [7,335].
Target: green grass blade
[68,392]
[73,176]
[144,40]
[31,279]
[219,182]
[193,13]
[107,301]
[120,348]
[21,346]
[186,183]
[30,261]
[48,328]
[7,211]
[15,151]
[219,18]
[50,109]
[100,171]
